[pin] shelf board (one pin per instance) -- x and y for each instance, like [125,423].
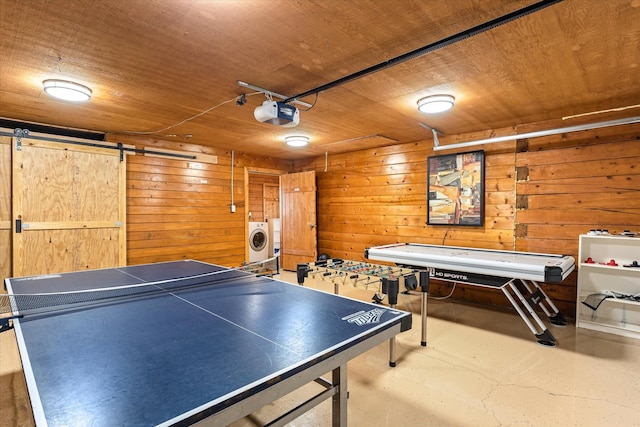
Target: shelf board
[610,326]
[611,268]
[612,300]
[610,236]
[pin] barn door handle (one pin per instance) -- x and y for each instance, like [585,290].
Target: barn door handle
[18,226]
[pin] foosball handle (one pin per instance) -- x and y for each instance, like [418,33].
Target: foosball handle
[393,287]
[302,271]
[410,282]
[424,281]
[321,262]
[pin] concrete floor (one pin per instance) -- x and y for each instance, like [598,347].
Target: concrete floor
[481,367]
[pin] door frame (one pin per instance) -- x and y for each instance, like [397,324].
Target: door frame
[249,170]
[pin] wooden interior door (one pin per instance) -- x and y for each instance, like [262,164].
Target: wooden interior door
[298,236]
[69,207]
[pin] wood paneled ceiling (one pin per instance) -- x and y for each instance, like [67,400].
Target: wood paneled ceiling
[152,64]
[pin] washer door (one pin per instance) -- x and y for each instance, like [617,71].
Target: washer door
[258,240]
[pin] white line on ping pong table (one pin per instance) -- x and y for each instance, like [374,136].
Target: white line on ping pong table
[233,323]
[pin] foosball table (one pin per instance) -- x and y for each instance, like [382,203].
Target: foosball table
[359,274]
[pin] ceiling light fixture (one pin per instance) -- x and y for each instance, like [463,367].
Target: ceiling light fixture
[436,104]
[297,141]
[66,90]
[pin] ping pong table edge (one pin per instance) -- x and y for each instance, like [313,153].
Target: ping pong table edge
[335,388]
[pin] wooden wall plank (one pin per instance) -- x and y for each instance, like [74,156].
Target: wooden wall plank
[5,208]
[583,185]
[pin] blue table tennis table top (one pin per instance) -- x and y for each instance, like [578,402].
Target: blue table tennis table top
[179,356]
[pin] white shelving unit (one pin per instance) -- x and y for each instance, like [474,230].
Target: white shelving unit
[616,316]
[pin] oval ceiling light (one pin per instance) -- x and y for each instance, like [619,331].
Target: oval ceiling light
[66,90]
[436,104]
[297,141]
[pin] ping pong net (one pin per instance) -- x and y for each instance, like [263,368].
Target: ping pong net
[18,305]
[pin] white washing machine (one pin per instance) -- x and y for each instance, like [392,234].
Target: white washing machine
[258,241]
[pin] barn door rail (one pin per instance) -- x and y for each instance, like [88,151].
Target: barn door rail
[19,133]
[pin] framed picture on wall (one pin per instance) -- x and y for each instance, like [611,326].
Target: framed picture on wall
[455,189]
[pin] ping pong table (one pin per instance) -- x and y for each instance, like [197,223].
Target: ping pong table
[180,342]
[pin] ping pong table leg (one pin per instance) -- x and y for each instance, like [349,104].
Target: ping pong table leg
[392,351]
[339,404]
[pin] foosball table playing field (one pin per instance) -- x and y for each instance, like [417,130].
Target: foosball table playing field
[359,274]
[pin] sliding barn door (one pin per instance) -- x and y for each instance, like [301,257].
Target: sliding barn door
[68,209]
[298,229]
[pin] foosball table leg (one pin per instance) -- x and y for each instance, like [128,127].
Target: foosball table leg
[392,287]
[424,288]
